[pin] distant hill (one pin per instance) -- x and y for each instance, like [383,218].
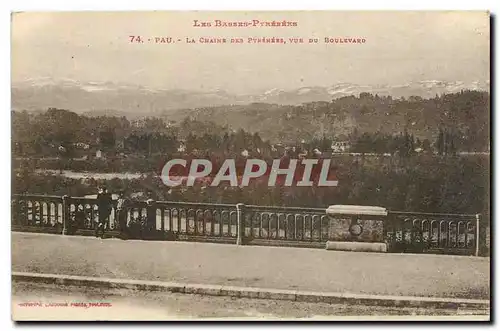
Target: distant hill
[421,108]
[465,116]
[466,111]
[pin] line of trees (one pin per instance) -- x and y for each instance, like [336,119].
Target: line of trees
[66,134]
[448,123]
[426,184]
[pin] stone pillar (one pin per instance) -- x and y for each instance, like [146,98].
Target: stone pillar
[478,238]
[240,212]
[356,228]
[65,214]
[151,215]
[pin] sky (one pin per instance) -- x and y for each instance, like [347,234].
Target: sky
[400,47]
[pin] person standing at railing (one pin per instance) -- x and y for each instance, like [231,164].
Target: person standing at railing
[104,202]
[122,211]
[77,220]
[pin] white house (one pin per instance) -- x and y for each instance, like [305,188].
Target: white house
[181,148]
[340,146]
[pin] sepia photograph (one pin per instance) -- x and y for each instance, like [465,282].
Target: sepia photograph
[250,165]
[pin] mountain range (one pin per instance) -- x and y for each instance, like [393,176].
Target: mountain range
[98,98]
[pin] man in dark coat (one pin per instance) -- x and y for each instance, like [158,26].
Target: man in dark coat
[104,203]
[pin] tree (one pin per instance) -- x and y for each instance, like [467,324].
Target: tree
[440,142]
[107,139]
[426,145]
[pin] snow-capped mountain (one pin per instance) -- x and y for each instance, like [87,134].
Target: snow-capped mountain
[424,89]
[45,92]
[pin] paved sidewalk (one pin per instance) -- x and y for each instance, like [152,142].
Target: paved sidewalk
[158,306]
[265,267]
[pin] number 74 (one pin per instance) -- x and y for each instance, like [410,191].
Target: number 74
[136,39]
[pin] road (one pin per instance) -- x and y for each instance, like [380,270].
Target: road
[140,305]
[253,266]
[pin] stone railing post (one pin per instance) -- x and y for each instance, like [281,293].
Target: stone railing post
[478,216]
[65,214]
[240,213]
[151,214]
